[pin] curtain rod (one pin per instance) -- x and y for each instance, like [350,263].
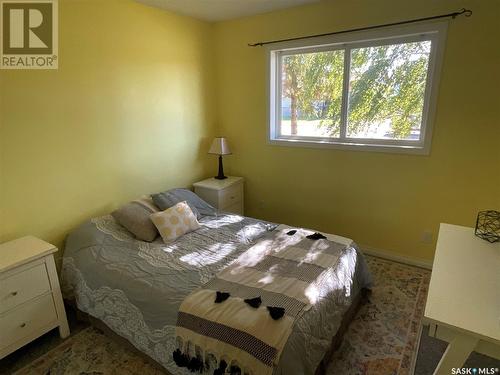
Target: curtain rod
[466,12]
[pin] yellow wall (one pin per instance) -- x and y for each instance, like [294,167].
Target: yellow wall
[134,104]
[385,201]
[127,113]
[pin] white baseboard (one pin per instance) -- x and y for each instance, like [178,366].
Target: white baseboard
[397,258]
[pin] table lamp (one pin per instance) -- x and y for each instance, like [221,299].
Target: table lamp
[220,147]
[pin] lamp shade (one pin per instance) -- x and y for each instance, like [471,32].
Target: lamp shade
[219,147]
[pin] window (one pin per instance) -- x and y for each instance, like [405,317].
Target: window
[371,90]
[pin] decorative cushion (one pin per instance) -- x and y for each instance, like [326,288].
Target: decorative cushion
[170,198]
[135,217]
[175,221]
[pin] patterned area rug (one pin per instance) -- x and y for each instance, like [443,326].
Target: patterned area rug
[381,340]
[90,352]
[383,337]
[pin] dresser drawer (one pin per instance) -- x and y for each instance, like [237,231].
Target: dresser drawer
[23,286]
[27,319]
[208,195]
[236,208]
[230,196]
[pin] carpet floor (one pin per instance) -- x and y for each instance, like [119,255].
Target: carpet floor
[383,337]
[381,340]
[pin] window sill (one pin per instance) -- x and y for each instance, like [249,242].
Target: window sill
[351,146]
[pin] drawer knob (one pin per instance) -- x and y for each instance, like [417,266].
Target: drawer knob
[13,294]
[23,325]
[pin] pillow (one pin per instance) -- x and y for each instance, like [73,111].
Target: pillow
[169,198]
[175,221]
[135,217]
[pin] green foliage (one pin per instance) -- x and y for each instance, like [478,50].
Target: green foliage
[387,83]
[312,81]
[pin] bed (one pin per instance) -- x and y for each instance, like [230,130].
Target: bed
[136,288]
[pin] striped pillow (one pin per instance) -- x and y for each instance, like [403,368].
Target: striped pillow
[175,221]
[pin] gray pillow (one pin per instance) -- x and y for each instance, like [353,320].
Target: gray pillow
[170,198]
[134,216]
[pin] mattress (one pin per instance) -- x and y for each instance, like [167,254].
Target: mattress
[136,287]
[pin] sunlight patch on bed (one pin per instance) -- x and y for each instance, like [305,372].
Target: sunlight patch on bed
[334,279]
[249,231]
[268,279]
[169,249]
[314,252]
[310,257]
[283,240]
[252,256]
[215,253]
[221,221]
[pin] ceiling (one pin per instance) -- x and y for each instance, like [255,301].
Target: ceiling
[219,10]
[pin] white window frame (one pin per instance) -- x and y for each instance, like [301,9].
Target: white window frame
[432,31]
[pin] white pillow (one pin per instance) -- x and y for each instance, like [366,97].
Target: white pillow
[175,221]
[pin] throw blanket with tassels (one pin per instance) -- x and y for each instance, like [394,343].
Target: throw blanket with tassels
[240,321]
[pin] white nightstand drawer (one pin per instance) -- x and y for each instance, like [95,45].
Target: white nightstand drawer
[208,195]
[31,303]
[236,208]
[23,286]
[231,195]
[224,195]
[26,320]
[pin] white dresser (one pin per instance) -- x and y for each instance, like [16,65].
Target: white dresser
[30,297]
[225,195]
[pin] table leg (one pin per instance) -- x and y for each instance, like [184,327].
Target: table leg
[432,329]
[456,353]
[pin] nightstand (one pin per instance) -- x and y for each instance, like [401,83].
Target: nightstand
[30,297]
[225,195]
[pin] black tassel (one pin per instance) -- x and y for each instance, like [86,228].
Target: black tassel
[183,360]
[254,302]
[223,365]
[234,370]
[180,359]
[316,236]
[221,297]
[276,312]
[221,369]
[195,364]
[291,232]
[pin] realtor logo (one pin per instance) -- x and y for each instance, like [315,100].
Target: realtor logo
[29,34]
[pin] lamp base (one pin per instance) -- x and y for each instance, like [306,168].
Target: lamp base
[220,176]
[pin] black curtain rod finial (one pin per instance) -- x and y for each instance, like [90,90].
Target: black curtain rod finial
[463,11]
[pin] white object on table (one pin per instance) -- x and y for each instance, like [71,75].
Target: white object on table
[463,304]
[225,195]
[30,296]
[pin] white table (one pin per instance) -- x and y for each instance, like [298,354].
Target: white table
[463,304]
